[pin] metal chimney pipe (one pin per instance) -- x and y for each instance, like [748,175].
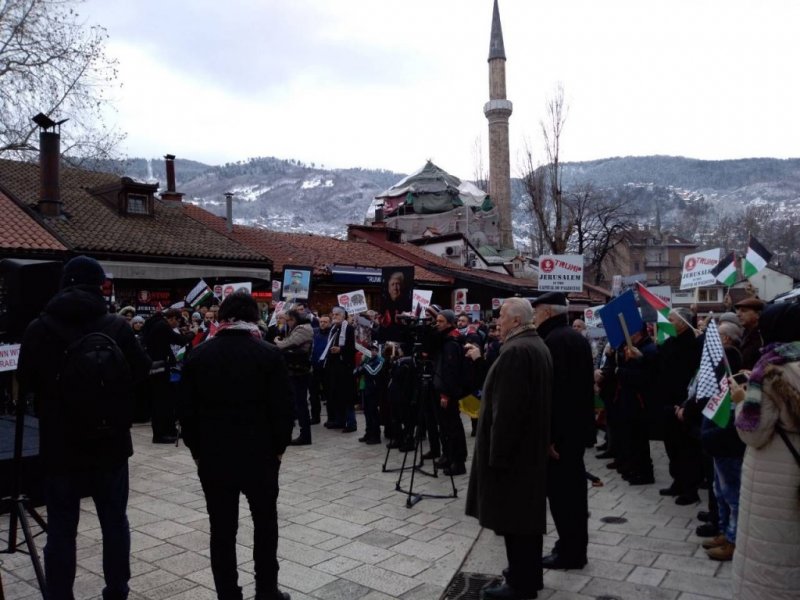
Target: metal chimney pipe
[229,211]
[170,162]
[49,167]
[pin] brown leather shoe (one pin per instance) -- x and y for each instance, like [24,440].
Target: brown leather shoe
[722,553]
[715,542]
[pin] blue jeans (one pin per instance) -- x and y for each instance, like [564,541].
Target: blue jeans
[109,490]
[727,481]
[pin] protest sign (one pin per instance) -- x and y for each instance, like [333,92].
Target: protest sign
[9,353]
[279,306]
[353,302]
[591,316]
[697,269]
[230,288]
[296,282]
[624,305]
[473,310]
[363,336]
[420,301]
[560,273]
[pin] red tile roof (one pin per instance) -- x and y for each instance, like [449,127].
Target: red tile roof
[318,251]
[91,225]
[20,231]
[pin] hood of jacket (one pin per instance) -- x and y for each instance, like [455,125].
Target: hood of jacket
[77,304]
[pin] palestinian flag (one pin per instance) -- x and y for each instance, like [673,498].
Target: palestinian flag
[199,294]
[725,271]
[756,259]
[663,326]
[712,378]
[661,335]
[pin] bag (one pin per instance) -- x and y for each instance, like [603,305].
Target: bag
[95,386]
[791,448]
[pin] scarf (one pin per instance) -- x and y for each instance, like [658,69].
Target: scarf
[234,325]
[773,354]
[342,334]
[519,329]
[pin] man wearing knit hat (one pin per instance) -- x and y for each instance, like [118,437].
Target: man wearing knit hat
[77,456]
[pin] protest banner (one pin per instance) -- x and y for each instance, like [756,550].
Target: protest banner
[363,336]
[279,307]
[353,302]
[296,282]
[420,301]
[473,310]
[697,269]
[622,308]
[230,288]
[560,273]
[9,354]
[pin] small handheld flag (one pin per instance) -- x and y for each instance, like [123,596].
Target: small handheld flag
[663,325]
[199,294]
[725,271]
[756,259]
[712,378]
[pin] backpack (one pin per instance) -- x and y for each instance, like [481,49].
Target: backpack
[94,385]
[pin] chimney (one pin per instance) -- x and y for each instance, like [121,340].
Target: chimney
[378,213]
[229,211]
[49,165]
[170,194]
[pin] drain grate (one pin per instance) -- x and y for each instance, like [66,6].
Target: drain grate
[608,598]
[468,586]
[614,520]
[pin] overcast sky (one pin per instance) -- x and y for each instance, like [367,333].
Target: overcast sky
[391,83]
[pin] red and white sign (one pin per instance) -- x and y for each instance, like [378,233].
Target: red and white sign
[9,354]
[460,296]
[560,273]
[420,301]
[353,302]
[470,309]
[697,269]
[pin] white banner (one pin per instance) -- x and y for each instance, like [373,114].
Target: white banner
[353,302]
[420,301]
[662,292]
[229,288]
[9,353]
[697,269]
[561,273]
[592,316]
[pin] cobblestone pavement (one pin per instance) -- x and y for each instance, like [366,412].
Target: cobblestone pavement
[345,533]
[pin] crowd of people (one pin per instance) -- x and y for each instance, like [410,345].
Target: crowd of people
[236,387]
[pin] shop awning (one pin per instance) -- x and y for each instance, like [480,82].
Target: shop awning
[141,270]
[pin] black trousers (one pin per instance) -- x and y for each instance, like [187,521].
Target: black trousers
[164,398]
[222,483]
[454,441]
[317,390]
[685,457]
[569,505]
[524,554]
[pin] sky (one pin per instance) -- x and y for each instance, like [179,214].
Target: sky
[390,84]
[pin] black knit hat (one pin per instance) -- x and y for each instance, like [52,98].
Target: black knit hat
[82,270]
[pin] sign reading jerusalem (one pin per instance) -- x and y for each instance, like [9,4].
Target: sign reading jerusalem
[697,269]
[560,273]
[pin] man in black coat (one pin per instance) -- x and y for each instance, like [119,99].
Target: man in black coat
[72,463]
[571,430]
[339,358]
[679,359]
[448,381]
[159,336]
[236,416]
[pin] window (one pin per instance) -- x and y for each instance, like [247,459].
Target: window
[137,204]
[707,295]
[636,267]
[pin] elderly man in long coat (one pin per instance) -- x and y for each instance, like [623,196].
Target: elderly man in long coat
[507,483]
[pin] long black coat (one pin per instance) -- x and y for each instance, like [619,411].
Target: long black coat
[507,483]
[72,313]
[234,399]
[572,425]
[679,359]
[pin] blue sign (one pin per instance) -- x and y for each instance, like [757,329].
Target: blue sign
[357,275]
[623,306]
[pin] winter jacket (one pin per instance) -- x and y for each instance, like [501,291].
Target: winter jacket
[572,409]
[766,563]
[233,399]
[507,481]
[159,338]
[320,341]
[679,359]
[449,372]
[296,348]
[70,314]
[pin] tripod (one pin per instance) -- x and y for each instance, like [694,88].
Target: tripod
[422,393]
[20,507]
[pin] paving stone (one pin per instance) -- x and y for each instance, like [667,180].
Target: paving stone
[364,553]
[607,569]
[698,584]
[183,564]
[569,581]
[339,527]
[647,576]
[382,539]
[700,566]
[341,589]
[301,553]
[302,579]
[625,590]
[304,535]
[423,550]
[382,580]
[405,565]
[338,565]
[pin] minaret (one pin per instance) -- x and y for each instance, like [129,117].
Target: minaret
[497,112]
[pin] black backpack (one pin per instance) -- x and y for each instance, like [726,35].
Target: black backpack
[94,384]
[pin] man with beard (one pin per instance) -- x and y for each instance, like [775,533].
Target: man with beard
[571,430]
[507,481]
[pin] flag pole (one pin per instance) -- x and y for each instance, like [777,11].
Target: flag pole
[625,331]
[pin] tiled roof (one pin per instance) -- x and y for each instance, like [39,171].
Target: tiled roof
[20,231]
[91,225]
[313,250]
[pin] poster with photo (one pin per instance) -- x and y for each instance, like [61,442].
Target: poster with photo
[396,298]
[296,283]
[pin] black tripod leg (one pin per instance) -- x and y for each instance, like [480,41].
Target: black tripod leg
[386,460]
[413,499]
[13,520]
[26,532]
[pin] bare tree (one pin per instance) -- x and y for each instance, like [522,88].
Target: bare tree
[548,205]
[480,173]
[51,62]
